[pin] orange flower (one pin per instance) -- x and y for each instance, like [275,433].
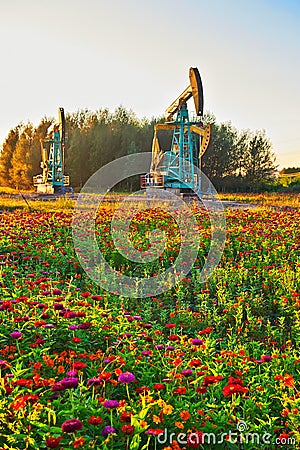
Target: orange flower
[118,372]
[179,425]
[185,415]
[37,366]
[175,445]
[288,380]
[60,369]
[177,362]
[278,377]
[48,361]
[79,442]
[18,404]
[156,419]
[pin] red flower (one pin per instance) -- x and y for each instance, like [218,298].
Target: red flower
[159,387]
[195,363]
[230,389]
[125,417]
[211,379]
[142,390]
[52,442]
[85,294]
[200,390]
[154,431]
[233,380]
[77,365]
[206,330]
[104,375]
[127,429]
[180,390]
[174,337]
[195,439]
[93,420]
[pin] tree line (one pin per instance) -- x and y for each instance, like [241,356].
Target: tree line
[235,160]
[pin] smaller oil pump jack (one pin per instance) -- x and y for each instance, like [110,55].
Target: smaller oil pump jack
[175,169]
[53,179]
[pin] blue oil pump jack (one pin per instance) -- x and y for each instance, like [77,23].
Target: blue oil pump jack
[175,169]
[53,179]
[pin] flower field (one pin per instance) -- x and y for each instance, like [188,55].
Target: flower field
[212,365]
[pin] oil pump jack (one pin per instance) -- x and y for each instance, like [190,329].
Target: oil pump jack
[53,180]
[175,169]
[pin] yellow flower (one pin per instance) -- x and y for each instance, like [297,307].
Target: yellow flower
[148,399]
[168,409]
[156,419]
[160,403]
[143,424]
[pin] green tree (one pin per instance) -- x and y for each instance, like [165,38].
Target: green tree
[6,155]
[219,161]
[21,170]
[259,161]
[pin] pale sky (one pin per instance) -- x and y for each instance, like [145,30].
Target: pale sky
[95,53]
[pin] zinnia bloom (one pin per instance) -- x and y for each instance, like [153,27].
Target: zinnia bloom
[71,425]
[230,389]
[180,390]
[197,341]
[212,379]
[56,291]
[126,377]
[69,382]
[94,381]
[265,358]
[127,429]
[187,372]
[195,439]
[52,442]
[16,335]
[66,383]
[79,442]
[154,431]
[108,430]
[95,420]
[111,404]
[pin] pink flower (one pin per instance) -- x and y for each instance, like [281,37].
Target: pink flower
[16,334]
[126,377]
